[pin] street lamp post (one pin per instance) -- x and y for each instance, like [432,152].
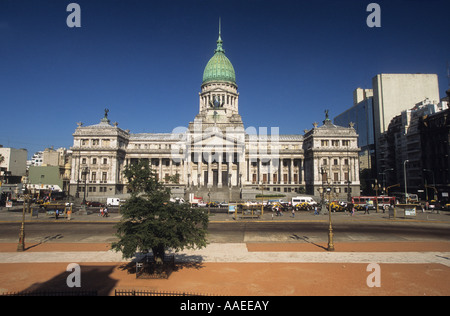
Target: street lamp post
[209,201]
[322,173]
[230,187]
[404,173]
[330,227]
[349,193]
[21,244]
[376,188]
[262,198]
[434,182]
[384,178]
[85,173]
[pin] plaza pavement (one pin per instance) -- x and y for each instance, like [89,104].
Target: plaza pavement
[238,252]
[296,268]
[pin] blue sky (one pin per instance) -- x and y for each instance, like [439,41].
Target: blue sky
[144,60]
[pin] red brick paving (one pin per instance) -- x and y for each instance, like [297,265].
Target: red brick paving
[242,279]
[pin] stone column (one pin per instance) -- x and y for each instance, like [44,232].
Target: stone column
[161,177]
[219,171]
[199,169]
[291,172]
[210,177]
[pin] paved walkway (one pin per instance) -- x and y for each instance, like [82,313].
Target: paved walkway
[242,269]
[239,253]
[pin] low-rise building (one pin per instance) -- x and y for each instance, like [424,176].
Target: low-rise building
[13,164]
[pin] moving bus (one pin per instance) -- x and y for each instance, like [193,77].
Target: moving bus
[371,201]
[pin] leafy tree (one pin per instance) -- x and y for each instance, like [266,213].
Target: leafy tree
[151,222]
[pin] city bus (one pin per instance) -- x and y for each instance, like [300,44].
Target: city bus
[371,201]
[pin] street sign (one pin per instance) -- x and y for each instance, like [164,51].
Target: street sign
[410,211]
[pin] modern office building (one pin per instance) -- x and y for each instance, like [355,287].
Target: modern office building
[372,112]
[405,146]
[361,115]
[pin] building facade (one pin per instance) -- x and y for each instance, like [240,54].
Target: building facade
[372,112]
[215,155]
[13,164]
[53,172]
[435,143]
[414,143]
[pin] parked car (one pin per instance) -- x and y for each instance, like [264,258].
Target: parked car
[94,204]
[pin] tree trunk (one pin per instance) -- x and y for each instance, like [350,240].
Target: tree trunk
[158,254]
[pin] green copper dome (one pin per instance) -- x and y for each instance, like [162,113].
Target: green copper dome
[219,67]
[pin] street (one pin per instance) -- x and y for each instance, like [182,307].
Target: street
[242,232]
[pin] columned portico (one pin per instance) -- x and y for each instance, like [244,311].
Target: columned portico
[215,153]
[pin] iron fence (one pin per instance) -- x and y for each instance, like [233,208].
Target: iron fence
[153,293]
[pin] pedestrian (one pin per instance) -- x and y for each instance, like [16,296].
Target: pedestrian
[316,210]
[105,212]
[367,209]
[101,211]
[69,213]
[56,214]
[293,212]
[353,210]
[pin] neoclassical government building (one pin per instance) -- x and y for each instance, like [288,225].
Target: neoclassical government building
[215,154]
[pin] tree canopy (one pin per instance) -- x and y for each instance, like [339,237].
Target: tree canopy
[151,222]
